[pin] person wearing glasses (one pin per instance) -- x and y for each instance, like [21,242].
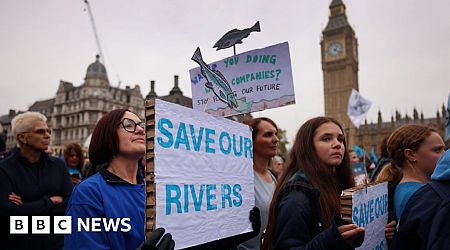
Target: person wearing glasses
[116,192]
[32,183]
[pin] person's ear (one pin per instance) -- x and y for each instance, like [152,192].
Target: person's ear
[22,138]
[410,155]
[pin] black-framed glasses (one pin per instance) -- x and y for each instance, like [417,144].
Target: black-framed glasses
[41,131]
[130,126]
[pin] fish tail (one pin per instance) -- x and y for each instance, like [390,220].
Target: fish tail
[197,57]
[256,27]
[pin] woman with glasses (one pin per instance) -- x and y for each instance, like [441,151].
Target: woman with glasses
[116,192]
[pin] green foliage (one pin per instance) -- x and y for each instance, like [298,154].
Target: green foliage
[282,148]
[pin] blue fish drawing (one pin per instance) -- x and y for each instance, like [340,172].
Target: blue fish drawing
[235,36]
[216,81]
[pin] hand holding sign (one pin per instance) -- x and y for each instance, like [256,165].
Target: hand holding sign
[351,233]
[166,243]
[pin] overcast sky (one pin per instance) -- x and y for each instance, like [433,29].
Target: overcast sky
[404,48]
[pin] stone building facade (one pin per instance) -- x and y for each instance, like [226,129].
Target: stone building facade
[73,113]
[76,110]
[339,50]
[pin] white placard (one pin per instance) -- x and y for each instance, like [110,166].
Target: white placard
[370,210]
[203,175]
[260,79]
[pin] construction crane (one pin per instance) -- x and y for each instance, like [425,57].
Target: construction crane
[97,40]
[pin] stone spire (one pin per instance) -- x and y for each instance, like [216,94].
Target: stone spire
[175,89]
[415,114]
[398,116]
[380,119]
[337,18]
[152,92]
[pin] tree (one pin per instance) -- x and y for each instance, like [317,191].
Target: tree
[282,147]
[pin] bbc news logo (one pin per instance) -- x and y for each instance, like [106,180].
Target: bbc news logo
[63,225]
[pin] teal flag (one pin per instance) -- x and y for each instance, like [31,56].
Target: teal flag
[359,151]
[373,156]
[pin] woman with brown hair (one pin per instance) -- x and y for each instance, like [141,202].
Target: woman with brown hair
[414,151]
[301,218]
[265,146]
[73,156]
[116,190]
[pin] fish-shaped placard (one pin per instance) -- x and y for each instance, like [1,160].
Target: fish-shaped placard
[235,36]
[216,81]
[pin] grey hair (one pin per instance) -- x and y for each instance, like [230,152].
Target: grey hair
[277,158]
[23,122]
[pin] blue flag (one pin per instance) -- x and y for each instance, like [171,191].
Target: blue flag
[359,168]
[447,120]
[373,156]
[359,151]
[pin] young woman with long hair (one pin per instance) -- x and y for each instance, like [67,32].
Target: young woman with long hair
[265,146]
[301,218]
[414,151]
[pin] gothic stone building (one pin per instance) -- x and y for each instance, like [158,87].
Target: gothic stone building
[339,49]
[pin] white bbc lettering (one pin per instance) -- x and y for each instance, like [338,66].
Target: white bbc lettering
[18,224]
[62,225]
[96,226]
[40,224]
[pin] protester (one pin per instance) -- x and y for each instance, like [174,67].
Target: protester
[425,223]
[73,156]
[414,151]
[265,146]
[353,157]
[384,160]
[277,166]
[32,183]
[299,217]
[116,190]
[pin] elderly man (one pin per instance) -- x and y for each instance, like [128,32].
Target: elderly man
[32,184]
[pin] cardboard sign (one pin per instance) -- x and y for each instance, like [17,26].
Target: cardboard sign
[369,209]
[203,169]
[252,81]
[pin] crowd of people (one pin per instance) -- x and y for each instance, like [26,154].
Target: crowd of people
[297,198]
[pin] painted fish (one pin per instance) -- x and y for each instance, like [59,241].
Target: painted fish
[216,81]
[235,36]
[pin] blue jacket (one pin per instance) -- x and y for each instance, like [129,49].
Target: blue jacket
[299,224]
[35,183]
[105,195]
[421,224]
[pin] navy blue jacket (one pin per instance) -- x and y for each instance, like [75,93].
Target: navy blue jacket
[425,221]
[299,225]
[35,184]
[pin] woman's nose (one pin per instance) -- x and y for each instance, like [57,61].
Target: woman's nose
[336,144]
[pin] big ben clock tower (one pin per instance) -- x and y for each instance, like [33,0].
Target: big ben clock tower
[339,48]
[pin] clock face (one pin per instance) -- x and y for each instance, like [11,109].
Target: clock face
[335,49]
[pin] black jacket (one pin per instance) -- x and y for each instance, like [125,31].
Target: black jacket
[419,226]
[35,184]
[299,225]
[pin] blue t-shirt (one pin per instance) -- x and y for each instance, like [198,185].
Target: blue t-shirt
[403,192]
